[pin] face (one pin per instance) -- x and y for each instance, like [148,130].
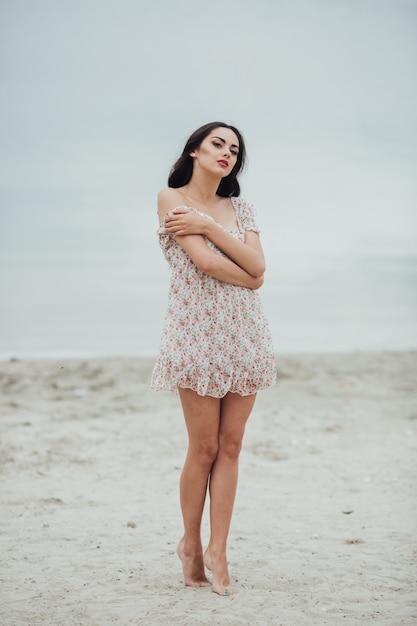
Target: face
[218,152]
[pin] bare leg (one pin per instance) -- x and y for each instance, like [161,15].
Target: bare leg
[202,415]
[235,411]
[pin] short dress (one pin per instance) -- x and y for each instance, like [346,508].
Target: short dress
[215,338]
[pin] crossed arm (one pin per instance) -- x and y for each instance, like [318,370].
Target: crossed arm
[245,264]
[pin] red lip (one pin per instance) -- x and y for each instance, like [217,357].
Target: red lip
[223,163]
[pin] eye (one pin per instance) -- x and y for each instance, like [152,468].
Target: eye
[217,144]
[234,152]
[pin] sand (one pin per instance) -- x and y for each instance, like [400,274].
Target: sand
[324,528]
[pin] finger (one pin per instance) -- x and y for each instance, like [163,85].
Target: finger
[180,211]
[173,228]
[174,224]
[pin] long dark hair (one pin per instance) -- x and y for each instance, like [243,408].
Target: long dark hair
[182,170]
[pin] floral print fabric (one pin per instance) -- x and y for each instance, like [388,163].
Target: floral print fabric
[215,337]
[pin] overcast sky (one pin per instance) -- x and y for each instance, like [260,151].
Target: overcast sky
[98,97]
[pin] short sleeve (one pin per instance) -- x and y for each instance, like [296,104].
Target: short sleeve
[246,214]
[166,241]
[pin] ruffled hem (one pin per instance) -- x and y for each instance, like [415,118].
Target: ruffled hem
[216,385]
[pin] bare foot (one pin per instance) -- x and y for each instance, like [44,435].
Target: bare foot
[221,581]
[192,567]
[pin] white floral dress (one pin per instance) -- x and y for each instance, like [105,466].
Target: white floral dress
[216,337]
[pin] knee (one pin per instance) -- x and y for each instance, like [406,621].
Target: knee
[230,446]
[207,452]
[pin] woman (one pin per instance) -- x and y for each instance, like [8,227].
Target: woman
[216,348]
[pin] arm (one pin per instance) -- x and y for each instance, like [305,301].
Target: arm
[205,259]
[213,264]
[248,255]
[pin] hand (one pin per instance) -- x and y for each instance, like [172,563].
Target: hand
[184,221]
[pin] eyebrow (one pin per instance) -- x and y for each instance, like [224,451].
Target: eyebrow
[233,144]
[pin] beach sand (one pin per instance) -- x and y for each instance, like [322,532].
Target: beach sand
[324,528]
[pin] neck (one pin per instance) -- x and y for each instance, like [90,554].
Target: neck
[202,187]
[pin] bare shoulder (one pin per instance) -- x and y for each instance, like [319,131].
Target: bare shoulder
[168,199]
[167,194]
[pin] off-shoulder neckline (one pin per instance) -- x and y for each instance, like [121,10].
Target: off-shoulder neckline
[227,230]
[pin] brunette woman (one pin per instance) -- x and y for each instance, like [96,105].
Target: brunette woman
[216,349]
